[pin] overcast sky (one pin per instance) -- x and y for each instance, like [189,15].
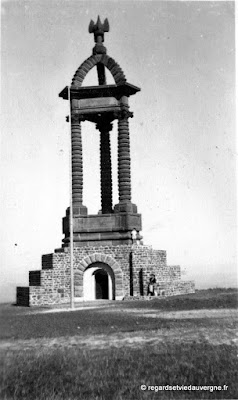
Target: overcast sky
[182,56]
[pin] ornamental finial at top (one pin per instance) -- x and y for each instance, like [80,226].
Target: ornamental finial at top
[99,29]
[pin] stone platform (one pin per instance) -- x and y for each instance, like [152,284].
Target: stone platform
[128,268]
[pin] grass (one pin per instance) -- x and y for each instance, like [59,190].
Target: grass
[209,299]
[89,373]
[118,374]
[97,321]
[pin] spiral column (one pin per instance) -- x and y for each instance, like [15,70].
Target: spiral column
[105,167]
[77,161]
[124,160]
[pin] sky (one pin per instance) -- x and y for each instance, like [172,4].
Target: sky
[182,56]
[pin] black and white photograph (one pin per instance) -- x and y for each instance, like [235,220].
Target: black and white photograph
[118,200]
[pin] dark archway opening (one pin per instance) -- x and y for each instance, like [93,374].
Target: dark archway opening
[101,287]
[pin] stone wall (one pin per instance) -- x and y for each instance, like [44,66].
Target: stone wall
[131,264]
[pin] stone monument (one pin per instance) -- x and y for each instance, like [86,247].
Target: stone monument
[101,105]
[110,261]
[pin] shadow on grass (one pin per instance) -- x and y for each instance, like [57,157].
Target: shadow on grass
[16,323]
[95,322]
[118,373]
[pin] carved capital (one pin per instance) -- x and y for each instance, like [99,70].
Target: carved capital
[125,114]
[116,114]
[74,118]
[81,117]
[77,118]
[122,114]
[104,126]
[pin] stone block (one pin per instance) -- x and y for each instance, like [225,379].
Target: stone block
[35,278]
[80,268]
[84,263]
[87,260]
[47,261]
[127,207]
[97,257]
[93,258]
[80,210]
[23,298]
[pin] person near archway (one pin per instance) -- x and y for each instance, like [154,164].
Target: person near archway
[151,289]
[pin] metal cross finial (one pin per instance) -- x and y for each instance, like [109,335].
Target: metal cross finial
[98,29]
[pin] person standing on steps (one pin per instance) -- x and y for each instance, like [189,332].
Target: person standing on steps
[134,236]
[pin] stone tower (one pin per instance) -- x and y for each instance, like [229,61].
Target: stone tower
[109,259]
[101,105]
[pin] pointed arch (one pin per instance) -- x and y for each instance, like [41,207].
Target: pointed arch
[92,61]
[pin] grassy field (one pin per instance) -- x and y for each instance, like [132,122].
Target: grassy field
[109,351]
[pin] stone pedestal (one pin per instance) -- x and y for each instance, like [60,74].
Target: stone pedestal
[130,267]
[103,229]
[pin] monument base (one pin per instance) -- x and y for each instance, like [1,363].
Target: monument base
[102,272]
[103,229]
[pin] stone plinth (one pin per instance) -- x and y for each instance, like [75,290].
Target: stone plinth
[102,229]
[131,266]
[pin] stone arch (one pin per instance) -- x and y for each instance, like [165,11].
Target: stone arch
[89,261]
[87,65]
[98,282]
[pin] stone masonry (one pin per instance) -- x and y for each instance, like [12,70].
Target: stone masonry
[131,264]
[110,260]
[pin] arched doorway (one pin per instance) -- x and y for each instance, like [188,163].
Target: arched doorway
[98,282]
[101,284]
